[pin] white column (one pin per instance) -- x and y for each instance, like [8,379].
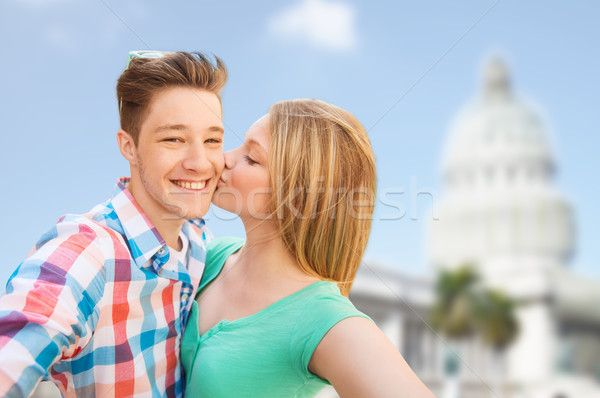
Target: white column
[532,358]
[393,328]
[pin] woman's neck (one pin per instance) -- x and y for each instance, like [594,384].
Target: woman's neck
[266,256]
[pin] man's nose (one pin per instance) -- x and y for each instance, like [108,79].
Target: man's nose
[196,159]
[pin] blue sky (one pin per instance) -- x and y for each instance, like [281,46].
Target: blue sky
[404,68]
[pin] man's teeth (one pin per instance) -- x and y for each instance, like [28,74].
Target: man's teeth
[191,185]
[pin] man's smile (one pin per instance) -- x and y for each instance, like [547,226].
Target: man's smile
[193,185]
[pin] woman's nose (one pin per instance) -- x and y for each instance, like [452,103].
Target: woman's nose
[228,159]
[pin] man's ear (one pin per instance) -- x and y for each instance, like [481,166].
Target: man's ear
[126,145]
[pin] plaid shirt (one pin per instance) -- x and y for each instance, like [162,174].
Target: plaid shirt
[98,308]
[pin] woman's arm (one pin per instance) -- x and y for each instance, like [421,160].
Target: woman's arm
[360,361]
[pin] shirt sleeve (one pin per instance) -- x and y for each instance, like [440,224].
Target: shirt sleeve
[318,317]
[49,309]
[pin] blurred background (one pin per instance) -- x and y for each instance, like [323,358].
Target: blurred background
[482,265]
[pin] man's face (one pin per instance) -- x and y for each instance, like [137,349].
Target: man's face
[179,155]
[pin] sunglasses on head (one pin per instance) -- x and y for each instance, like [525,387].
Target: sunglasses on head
[144,54]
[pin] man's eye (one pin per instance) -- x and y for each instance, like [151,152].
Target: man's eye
[213,141]
[250,161]
[173,139]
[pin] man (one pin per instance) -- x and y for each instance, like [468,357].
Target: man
[100,304]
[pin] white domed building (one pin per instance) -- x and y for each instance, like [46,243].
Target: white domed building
[500,210]
[500,213]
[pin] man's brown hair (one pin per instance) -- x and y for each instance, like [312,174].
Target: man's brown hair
[146,76]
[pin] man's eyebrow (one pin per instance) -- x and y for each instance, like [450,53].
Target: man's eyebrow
[181,127]
[217,129]
[171,126]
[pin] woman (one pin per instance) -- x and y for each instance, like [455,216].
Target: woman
[272,318]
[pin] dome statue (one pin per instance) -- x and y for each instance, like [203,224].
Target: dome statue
[497,140]
[500,210]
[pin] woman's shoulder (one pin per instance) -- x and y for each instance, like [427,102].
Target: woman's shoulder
[327,303]
[219,249]
[217,253]
[219,245]
[325,308]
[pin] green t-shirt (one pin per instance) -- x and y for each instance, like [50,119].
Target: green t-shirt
[267,353]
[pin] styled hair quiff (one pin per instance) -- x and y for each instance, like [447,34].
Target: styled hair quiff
[146,76]
[323,177]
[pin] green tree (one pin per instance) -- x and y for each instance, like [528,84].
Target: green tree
[496,318]
[463,307]
[453,311]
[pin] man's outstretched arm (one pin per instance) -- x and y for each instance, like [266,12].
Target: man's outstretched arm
[48,311]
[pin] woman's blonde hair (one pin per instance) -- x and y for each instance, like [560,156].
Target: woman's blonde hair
[323,182]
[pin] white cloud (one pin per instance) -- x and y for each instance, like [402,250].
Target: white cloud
[323,23]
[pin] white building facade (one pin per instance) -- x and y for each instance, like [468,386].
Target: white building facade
[501,213]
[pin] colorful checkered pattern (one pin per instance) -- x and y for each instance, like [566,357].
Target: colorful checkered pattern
[98,308]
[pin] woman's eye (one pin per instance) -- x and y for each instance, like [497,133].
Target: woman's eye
[250,161]
[213,141]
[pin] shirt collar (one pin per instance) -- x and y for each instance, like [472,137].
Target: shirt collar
[143,238]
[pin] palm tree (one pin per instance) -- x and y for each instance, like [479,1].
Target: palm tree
[452,313]
[453,316]
[496,318]
[498,326]
[462,308]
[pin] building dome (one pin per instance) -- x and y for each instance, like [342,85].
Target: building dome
[499,200]
[497,140]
